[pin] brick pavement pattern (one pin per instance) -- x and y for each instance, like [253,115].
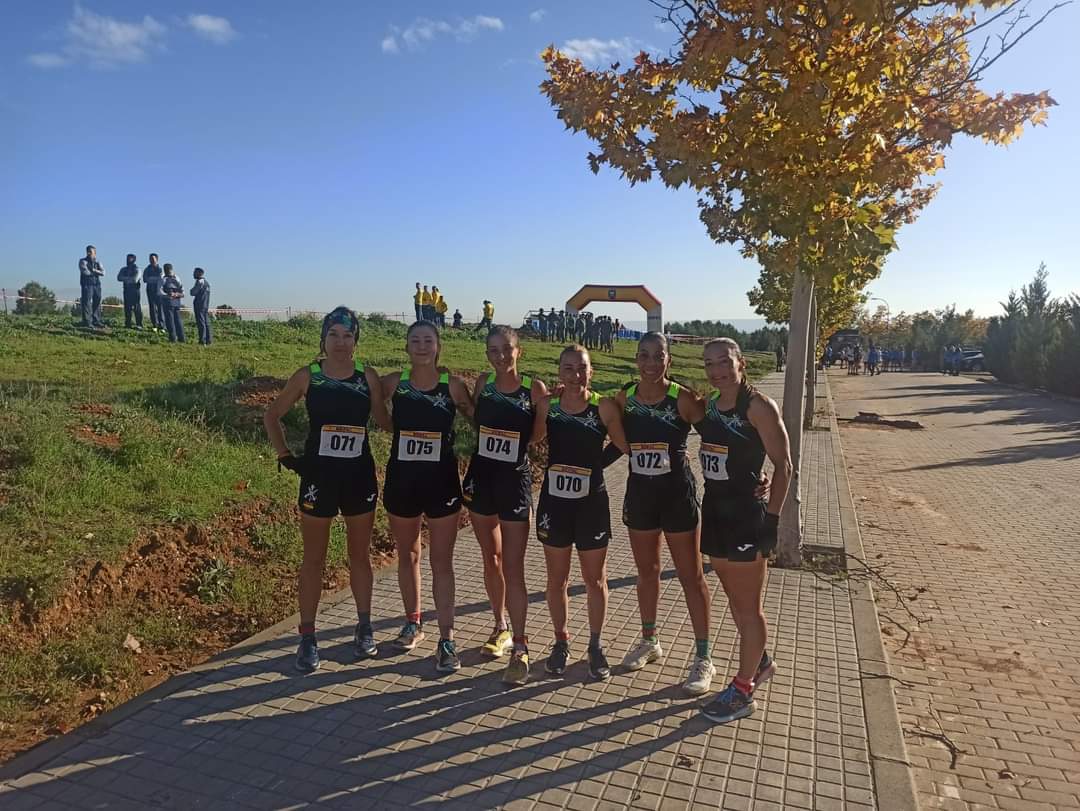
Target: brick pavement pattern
[981,510]
[388,733]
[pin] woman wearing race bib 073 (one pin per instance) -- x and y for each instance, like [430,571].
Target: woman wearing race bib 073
[573,508]
[337,472]
[741,426]
[422,481]
[498,492]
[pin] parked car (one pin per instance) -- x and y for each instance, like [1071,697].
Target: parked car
[973,361]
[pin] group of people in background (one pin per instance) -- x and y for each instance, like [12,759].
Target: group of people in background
[430,305]
[873,362]
[952,359]
[164,296]
[649,420]
[591,331]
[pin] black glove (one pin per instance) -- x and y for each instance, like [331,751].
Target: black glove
[767,533]
[293,463]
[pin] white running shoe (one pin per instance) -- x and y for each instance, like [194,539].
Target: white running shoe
[641,654]
[699,679]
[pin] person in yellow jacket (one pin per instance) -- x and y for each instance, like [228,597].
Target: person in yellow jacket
[427,311]
[417,301]
[489,314]
[440,308]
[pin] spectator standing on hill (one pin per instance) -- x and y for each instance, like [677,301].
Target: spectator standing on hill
[200,295]
[486,321]
[440,309]
[457,318]
[90,273]
[129,277]
[152,276]
[172,293]
[542,324]
[418,300]
[779,357]
[427,312]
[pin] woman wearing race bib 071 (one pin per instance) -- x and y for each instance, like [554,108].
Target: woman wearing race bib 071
[498,492]
[573,508]
[337,472]
[422,481]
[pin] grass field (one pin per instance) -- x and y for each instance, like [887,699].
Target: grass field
[138,496]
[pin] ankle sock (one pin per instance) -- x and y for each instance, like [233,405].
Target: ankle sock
[594,640]
[415,617]
[702,648]
[307,628]
[562,636]
[648,630]
[744,686]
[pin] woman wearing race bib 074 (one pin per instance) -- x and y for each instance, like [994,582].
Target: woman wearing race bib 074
[573,508]
[337,472]
[498,492]
[422,481]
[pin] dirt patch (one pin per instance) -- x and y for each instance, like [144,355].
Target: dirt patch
[94,409]
[96,437]
[258,392]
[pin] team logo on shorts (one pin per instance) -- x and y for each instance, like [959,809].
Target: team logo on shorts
[311,495]
[542,526]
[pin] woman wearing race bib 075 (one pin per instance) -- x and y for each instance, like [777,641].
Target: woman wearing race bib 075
[573,508]
[337,472]
[741,426]
[422,481]
[498,492]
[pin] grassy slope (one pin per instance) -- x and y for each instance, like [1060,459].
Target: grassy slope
[105,437]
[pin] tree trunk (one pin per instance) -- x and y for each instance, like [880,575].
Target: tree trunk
[802,290]
[811,366]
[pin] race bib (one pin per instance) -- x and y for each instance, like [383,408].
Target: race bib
[419,446]
[649,458]
[714,461]
[341,441]
[502,446]
[566,481]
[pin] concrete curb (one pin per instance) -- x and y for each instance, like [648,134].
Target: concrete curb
[894,781]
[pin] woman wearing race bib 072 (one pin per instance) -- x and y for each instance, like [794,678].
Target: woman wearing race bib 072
[337,472]
[573,508]
[498,492]
[422,481]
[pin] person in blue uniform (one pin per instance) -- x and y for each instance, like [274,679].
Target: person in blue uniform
[152,276]
[200,301]
[172,295]
[129,278]
[573,509]
[337,472]
[422,481]
[740,428]
[498,492]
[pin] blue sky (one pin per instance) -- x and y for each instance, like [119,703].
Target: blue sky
[308,154]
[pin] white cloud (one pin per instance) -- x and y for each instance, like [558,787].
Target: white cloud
[595,51]
[45,61]
[537,15]
[423,30]
[103,41]
[216,29]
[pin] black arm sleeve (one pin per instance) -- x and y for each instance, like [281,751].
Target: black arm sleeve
[611,455]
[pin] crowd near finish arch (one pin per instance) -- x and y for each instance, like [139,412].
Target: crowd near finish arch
[633,293]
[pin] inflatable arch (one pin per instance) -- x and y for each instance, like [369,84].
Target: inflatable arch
[636,293]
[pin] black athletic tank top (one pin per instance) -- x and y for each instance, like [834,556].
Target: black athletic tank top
[423,419]
[577,440]
[505,423]
[657,436]
[732,451]
[338,412]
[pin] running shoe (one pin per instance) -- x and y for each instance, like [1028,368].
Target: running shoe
[731,705]
[517,669]
[364,640]
[411,635]
[499,643]
[446,658]
[645,651]
[699,680]
[556,662]
[307,655]
[766,669]
[598,664]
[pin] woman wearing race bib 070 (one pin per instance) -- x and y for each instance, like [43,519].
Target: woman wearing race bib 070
[498,492]
[422,481]
[337,472]
[573,508]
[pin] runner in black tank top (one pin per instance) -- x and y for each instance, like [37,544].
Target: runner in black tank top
[498,492]
[422,480]
[574,502]
[337,473]
[661,496]
[738,530]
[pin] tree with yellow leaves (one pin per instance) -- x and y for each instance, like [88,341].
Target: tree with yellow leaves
[808,130]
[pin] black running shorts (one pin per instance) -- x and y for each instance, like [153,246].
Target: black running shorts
[730,528]
[670,504]
[498,488]
[429,488]
[584,523]
[329,489]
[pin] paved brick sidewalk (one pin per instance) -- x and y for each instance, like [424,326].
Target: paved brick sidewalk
[249,732]
[981,510]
